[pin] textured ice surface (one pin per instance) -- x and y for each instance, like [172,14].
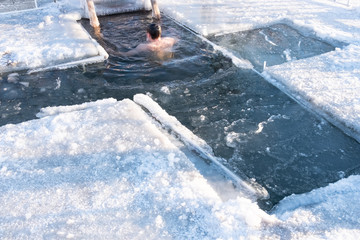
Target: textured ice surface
[328,19]
[107,7]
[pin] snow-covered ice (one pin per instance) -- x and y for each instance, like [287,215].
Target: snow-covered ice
[329,83]
[45,38]
[327,18]
[107,7]
[104,170]
[107,169]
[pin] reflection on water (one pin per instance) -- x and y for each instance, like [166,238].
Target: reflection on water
[257,129]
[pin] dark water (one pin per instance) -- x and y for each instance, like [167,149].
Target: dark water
[273,45]
[258,130]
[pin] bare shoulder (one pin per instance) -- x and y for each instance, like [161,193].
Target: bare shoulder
[168,42]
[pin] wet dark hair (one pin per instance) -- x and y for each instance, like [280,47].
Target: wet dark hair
[154,30]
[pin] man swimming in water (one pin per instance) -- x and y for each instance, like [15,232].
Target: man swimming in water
[155,43]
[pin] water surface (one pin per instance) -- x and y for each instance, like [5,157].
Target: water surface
[254,127]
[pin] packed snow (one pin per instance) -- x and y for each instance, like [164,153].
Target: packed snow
[108,169]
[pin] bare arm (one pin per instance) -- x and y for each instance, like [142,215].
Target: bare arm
[140,48]
[155,9]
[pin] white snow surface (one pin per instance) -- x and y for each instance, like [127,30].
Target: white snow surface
[107,7]
[328,19]
[107,170]
[45,38]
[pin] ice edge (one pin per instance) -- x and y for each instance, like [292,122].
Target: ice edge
[196,144]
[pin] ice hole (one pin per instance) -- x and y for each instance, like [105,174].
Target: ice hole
[257,129]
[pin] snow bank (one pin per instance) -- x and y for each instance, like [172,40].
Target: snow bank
[45,38]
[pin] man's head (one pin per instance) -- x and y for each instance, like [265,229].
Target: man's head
[154,31]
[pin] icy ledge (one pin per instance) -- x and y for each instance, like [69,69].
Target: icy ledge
[196,144]
[331,212]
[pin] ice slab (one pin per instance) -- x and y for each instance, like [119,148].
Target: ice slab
[328,84]
[45,38]
[106,170]
[272,45]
